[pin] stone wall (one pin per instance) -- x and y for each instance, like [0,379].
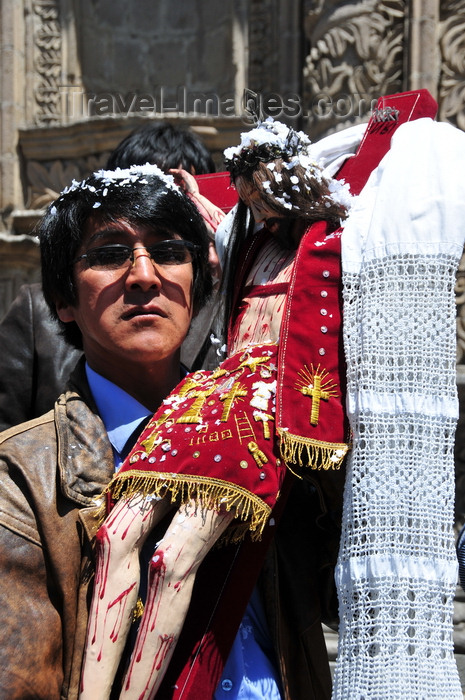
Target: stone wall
[144,46]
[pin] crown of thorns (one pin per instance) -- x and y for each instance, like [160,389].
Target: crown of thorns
[238,161]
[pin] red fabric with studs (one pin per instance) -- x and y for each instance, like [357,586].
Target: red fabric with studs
[310,403]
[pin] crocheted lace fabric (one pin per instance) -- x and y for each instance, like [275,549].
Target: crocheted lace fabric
[397,569]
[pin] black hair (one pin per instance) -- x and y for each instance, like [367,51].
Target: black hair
[167,145]
[141,200]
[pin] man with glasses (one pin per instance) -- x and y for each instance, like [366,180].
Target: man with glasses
[125,269]
[35,362]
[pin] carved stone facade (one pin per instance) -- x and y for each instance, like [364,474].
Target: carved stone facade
[452,49]
[356,54]
[47,61]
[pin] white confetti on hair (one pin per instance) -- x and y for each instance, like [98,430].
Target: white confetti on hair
[285,204]
[122,177]
[270,132]
[276,134]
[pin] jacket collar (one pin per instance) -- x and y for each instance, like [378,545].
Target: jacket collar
[85,458]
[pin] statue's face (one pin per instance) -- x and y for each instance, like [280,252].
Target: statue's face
[261,210]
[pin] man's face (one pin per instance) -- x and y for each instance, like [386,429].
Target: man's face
[135,315]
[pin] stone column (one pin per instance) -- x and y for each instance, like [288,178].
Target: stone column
[12,89]
[423,56]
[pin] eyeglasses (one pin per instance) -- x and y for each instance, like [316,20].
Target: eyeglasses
[114,257]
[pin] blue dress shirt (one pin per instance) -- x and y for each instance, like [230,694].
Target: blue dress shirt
[120,412]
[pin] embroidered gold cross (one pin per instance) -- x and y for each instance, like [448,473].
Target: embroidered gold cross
[237,391]
[312,383]
[193,413]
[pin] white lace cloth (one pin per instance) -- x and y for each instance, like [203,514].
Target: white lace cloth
[397,569]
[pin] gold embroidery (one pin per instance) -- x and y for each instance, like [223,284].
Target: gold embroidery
[219,373]
[200,440]
[237,391]
[163,419]
[189,384]
[252,362]
[264,417]
[151,441]
[313,383]
[192,415]
[259,456]
[245,430]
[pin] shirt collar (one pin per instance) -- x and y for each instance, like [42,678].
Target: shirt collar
[120,412]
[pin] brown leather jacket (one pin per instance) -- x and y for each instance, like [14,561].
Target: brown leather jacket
[35,359]
[51,471]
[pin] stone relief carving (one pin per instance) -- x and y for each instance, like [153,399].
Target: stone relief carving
[452,46]
[46,179]
[356,55]
[47,62]
[262,49]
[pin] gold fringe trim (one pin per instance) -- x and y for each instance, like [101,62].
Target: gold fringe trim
[207,492]
[314,454]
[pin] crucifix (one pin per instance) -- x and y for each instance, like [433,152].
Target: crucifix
[313,383]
